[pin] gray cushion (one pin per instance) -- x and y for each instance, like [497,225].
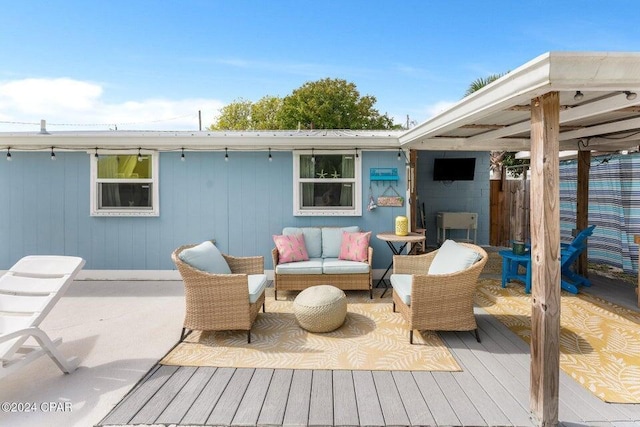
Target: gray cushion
[312,239]
[402,285]
[313,266]
[452,257]
[332,240]
[257,285]
[338,266]
[205,257]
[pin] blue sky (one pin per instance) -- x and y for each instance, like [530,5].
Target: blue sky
[153,64]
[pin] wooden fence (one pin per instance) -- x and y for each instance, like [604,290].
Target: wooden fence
[509,211]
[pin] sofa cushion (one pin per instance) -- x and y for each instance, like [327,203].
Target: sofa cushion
[257,285]
[313,266]
[338,266]
[205,257]
[452,257]
[291,248]
[312,239]
[355,246]
[332,239]
[402,285]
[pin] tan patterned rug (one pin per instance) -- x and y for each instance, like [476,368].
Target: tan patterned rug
[599,340]
[372,338]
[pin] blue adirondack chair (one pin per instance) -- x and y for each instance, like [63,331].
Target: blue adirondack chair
[569,254]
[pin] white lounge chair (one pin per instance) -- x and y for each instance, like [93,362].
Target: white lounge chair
[28,292]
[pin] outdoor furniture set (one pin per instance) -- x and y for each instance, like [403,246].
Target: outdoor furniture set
[433,291]
[569,253]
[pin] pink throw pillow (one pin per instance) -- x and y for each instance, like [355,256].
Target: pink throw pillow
[291,248]
[355,246]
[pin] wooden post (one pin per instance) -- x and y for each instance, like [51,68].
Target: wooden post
[545,258]
[582,205]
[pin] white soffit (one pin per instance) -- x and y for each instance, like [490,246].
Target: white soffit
[497,117]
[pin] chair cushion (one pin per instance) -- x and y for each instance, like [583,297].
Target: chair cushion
[312,239]
[257,285]
[402,285]
[332,239]
[452,257]
[291,248]
[337,266]
[205,257]
[313,266]
[355,246]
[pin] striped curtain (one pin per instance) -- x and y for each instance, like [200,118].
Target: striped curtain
[614,208]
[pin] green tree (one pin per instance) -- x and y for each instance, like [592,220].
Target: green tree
[331,104]
[265,113]
[481,82]
[234,116]
[323,104]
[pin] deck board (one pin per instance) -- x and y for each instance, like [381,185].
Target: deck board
[492,389]
[176,410]
[369,411]
[321,401]
[345,402]
[275,402]
[229,401]
[207,399]
[297,411]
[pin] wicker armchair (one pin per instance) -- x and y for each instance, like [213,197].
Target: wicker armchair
[220,302]
[438,302]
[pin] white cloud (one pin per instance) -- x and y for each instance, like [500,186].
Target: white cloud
[78,105]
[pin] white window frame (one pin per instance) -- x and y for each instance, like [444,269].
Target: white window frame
[298,210]
[154,181]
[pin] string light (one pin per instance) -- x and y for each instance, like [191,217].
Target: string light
[399,154]
[270,158]
[357,153]
[8,154]
[182,158]
[53,155]
[313,156]
[96,153]
[139,155]
[226,154]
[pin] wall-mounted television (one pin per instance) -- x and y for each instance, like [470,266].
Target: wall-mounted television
[454,169]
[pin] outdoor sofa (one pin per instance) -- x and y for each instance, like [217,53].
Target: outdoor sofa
[325,263]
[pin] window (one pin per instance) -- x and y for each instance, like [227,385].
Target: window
[327,183]
[124,184]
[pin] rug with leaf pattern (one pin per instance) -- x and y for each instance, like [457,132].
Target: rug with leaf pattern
[599,340]
[373,337]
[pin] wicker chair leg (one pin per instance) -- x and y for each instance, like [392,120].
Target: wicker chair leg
[249,336]
[184,334]
[394,307]
[275,294]
[264,310]
[411,336]
[477,335]
[370,293]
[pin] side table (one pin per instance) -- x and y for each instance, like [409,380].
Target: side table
[392,239]
[510,264]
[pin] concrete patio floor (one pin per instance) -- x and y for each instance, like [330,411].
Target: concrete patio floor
[117,329]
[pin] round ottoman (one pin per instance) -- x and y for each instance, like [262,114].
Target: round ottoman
[320,308]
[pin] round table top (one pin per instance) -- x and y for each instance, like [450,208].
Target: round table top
[390,236]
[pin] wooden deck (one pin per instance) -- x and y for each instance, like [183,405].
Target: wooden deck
[492,389]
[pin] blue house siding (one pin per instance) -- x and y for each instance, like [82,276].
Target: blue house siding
[456,196]
[240,203]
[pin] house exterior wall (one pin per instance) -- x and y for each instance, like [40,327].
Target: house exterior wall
[456,196]
[240,203]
